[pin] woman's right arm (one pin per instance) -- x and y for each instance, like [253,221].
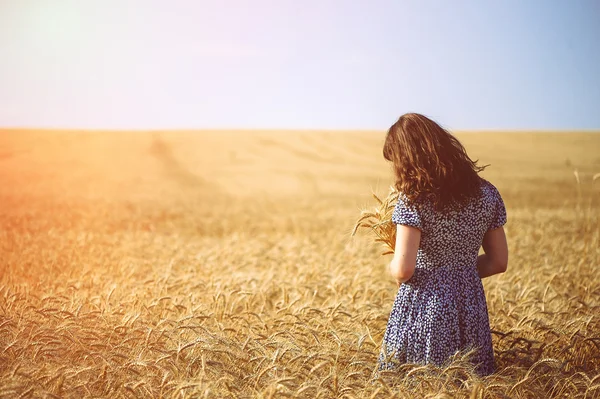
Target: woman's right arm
[495,258]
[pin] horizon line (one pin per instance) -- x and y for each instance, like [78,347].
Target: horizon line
[299,130]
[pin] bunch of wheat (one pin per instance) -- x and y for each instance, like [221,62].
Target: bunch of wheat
[379,221]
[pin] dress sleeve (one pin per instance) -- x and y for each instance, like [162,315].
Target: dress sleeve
[499,216]
[406,215]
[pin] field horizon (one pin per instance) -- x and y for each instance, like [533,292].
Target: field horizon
[204,264]
[9,129]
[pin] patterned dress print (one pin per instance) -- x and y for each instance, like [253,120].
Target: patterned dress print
[441,309]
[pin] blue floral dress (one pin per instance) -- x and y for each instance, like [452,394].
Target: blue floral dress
[442,308]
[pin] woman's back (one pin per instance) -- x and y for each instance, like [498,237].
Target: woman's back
[452,238]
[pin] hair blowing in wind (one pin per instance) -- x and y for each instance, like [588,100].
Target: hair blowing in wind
[430,163]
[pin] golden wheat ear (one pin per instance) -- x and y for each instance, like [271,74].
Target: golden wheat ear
[378,199]
[379,221]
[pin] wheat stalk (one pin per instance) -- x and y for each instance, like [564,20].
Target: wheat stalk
[379,221]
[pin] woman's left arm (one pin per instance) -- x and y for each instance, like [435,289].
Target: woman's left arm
[403,264]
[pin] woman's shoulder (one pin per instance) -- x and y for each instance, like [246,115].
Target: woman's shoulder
[494,201]
[489,189]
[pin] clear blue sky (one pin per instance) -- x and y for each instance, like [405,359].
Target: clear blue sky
[110,64]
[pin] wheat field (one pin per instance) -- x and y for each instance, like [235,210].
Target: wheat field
[221,264]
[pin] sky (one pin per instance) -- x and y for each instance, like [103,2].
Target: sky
[299,64]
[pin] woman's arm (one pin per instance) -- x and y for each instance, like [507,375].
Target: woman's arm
[403,264]
[495,258]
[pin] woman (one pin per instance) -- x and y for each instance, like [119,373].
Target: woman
[445,213]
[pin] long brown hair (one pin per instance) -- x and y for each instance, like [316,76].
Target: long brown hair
[430,163]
